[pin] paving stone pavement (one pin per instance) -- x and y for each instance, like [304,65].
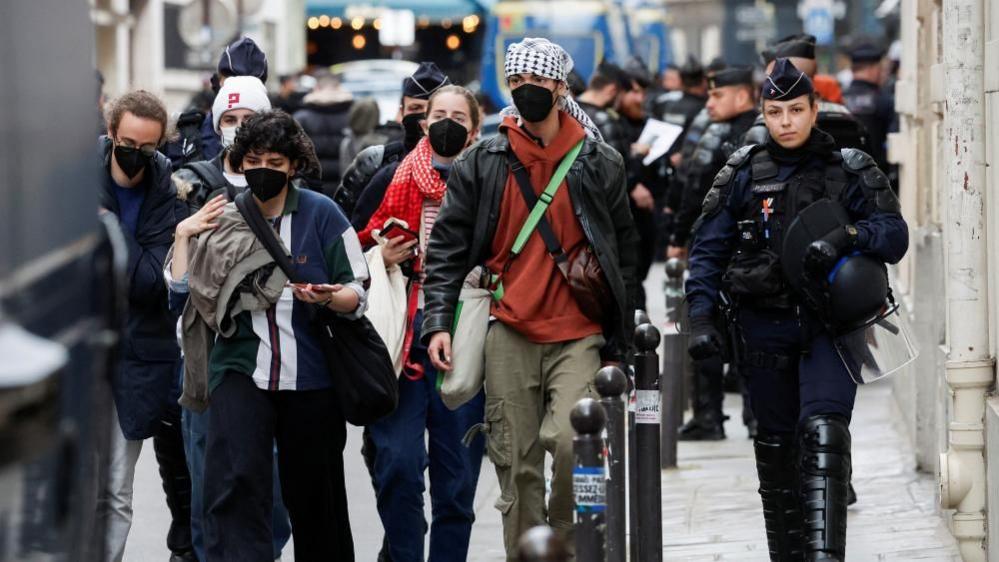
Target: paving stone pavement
[711,510]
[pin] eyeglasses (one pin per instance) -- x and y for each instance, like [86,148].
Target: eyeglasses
[146,149]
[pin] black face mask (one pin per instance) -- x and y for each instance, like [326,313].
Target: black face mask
[131,160]
[411,124]
[533,102]
[265,183]
[447,137]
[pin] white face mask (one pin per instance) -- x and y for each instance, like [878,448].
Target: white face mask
[228,136]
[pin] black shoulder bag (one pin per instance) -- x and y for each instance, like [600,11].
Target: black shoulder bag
[359,364]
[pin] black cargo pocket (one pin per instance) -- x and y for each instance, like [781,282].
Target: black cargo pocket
[756,274]
[498,440]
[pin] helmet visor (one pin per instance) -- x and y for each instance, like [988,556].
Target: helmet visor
[879,348]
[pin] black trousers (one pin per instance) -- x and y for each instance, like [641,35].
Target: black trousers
[168,443]
[244,422]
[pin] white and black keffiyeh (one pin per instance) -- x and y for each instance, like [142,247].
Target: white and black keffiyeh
[536,55]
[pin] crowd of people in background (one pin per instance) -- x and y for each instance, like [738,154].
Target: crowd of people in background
[221,366]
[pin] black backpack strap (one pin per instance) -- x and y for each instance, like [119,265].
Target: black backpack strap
[263,231]
[544,228]
[208,173]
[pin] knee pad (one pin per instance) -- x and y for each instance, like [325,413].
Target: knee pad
[825,445]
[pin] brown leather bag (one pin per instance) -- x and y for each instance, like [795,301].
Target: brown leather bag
[587,282]
[588,285]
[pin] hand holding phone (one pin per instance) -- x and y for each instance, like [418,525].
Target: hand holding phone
[394,228]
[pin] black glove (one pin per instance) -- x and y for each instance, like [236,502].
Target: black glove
[822,255]
[705,341]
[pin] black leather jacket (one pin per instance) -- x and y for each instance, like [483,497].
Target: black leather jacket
[463,234]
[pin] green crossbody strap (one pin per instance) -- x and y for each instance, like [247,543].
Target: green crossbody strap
[544,200]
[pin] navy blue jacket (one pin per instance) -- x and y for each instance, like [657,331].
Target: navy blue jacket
[144,386]
[881,234]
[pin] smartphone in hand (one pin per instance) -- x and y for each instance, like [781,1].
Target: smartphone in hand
[394,228]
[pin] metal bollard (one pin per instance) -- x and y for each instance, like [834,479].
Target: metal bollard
[589,485]
[674,361]
[647,420]
[641,317]
[540,544]
[632,470]
[611,383]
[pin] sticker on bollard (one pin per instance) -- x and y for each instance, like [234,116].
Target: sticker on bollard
[647,407]
[589,487]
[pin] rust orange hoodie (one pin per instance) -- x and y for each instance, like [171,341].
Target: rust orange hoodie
[537,301]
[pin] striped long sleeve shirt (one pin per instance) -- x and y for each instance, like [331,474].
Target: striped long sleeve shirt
[277,347]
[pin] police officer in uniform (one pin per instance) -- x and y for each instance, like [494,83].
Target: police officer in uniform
[800,389]
[846,130]
[599,101]
[867,101]
[732,108]
[681,106]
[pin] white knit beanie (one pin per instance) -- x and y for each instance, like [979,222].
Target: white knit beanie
[240,92]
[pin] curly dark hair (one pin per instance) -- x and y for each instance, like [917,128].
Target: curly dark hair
[275,131]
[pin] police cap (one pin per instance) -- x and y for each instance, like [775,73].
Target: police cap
[801,45]
[866,51]
[731,76]
[425,81]
[786,82]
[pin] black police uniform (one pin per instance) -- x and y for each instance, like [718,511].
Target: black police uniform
[611,128]
[691,137]
[679,108]
[715,146]
[800,391]
[717,143]
[870,104]
[875,110]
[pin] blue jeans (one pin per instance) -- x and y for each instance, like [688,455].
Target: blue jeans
[400,458]
[195,428]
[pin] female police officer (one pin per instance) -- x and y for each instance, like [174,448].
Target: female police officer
[800,390]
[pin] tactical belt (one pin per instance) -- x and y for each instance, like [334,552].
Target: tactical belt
[769,361]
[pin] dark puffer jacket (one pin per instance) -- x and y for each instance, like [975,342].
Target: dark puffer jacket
[463,234]
[325,118]
[145,386]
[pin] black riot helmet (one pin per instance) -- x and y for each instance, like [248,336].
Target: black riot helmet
[858,290]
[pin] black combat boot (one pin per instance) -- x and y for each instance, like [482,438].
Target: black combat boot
[775,464]
[708,421]
[824,479]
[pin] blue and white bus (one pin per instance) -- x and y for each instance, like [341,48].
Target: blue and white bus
[591,30]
